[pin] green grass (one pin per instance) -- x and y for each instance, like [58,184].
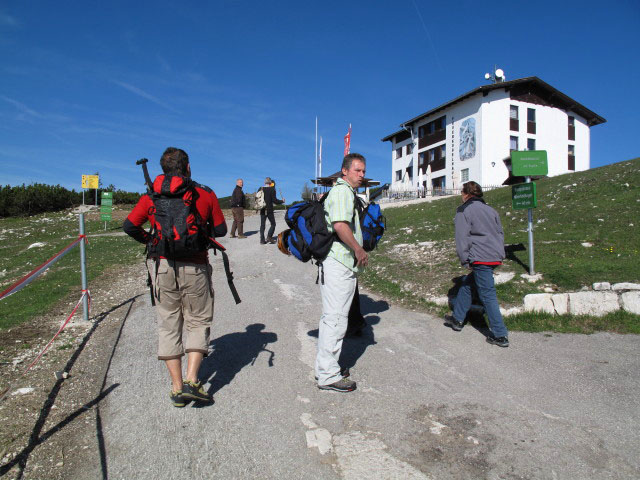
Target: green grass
[600,207]
[55,230]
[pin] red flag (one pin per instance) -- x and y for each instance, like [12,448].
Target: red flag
[347,141]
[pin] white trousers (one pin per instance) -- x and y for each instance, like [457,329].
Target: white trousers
[337,294]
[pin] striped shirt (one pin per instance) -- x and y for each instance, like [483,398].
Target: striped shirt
[339,207]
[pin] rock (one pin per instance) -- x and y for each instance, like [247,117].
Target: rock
[538,302]
[593,303]
[503,277]
[441,301]
[602,286]
[625,286]
[22,391]
[510,311]
[548,290]
[630,302]
[560,303]
[532,278]
[587,244]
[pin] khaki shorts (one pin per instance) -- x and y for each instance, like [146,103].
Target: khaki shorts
[184,306]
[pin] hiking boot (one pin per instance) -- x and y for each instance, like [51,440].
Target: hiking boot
[262,242]
[342,385]
[232,236]
[344,372]
[500,341]
[272,240]
[449,321]
[242,236]
[194,391]
[178,400]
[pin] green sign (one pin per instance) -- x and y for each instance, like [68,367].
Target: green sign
[106,205]
[529,163]
[524,196]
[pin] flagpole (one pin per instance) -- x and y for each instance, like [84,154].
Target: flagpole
[316,187]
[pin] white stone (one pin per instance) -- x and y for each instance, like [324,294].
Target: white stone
[602,286]
[548,290]
[593,303]
[560,303]
[22,391]
[507,312]
[625,286]
[532,278]
[587,244]
[441,301]
[503,277]
[630,302]
[538,302]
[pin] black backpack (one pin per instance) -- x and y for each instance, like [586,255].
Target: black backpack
[178,231]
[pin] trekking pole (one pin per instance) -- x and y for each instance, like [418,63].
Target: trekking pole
[83,269]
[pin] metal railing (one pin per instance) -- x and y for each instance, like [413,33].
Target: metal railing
[404,194]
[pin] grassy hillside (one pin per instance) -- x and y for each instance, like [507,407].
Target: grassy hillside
[586,229]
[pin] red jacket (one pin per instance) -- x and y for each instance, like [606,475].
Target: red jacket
[206,204]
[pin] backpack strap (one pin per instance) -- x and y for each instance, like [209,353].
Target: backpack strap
[227,269]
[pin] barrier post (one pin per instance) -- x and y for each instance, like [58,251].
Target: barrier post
[83,269]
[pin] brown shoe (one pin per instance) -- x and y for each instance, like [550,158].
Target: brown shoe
[242,236]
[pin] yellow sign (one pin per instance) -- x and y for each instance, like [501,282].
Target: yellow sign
[90,181]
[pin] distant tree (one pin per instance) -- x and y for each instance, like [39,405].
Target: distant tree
[307,192]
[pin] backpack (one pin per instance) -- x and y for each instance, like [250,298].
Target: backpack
[372,224]
[259,201]
[309,236]
[178,231]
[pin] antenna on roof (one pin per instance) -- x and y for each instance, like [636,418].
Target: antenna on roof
[497,76]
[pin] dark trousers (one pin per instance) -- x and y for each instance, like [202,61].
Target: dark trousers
[263,222]
[238,220]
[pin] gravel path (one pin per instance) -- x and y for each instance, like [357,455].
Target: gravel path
[431,403]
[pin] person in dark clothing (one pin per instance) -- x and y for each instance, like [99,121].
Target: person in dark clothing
[237,209]
[270,199]
[356,321]
[480,248]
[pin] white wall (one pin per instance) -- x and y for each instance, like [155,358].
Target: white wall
[491,114]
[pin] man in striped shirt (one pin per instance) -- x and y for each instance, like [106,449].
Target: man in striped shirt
[341,267]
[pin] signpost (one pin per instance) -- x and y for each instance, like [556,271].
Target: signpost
[90,181]
[527,164]
[106,205]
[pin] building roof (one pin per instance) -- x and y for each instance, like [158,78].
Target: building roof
[528,85]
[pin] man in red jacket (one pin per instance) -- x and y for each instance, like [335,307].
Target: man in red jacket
[179,267]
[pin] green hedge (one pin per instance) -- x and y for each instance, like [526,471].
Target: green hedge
[25,200]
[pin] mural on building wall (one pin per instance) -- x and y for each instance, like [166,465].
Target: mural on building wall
[468,139]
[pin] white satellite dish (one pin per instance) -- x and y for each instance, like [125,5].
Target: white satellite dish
[499,73]
[487,76]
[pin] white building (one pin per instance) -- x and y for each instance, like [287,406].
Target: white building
[471,137]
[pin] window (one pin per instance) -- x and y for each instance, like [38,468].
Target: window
[531,120]
[571,158]
[443,151]
[398,175]
[398,152]
[410,149]
[572,128]
[513,143]
[410,173]
[422,163]
[514,119]
[464,175]
[531,143]
[432,155]
[432,132]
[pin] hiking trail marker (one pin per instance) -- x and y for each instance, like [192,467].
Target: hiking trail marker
[524,196]
[106,205]
[90,182]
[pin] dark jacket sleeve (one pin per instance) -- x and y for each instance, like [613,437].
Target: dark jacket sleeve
[135,232]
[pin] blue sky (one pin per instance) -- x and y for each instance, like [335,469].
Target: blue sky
[90,86]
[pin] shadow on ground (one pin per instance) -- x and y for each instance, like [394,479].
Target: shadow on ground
[234,351]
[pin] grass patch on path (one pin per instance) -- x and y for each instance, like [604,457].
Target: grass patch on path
[586,230]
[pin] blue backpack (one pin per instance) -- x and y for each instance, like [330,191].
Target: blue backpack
[309,236]
[372,224]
